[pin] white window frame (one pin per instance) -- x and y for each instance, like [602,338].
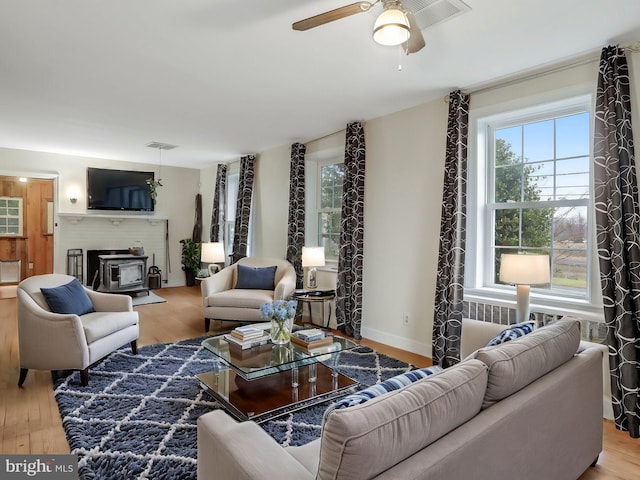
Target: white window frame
[479,286]
[231,201]
[313,163]
[19,216]
[318,202]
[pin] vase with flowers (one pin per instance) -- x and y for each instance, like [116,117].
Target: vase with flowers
[281,313]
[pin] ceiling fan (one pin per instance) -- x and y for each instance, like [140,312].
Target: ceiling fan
[394,26]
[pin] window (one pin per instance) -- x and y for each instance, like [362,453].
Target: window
[533,195]
[329,207]
[233,178]
[10,216]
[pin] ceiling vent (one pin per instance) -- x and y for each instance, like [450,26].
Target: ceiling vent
[430,12]
[161,146]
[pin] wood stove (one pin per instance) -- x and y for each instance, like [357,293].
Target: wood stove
[123,273]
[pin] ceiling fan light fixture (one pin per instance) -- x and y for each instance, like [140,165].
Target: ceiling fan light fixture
[391,27]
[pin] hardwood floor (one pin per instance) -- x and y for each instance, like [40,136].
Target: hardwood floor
[31,422]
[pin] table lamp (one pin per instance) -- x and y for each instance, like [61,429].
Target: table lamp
[312,257]
[524,270]
[212,253]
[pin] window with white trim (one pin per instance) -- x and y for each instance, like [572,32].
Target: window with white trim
[329,207]
[533,195]
[11,216]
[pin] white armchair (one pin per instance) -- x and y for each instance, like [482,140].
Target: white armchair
[223,301]
[53,341]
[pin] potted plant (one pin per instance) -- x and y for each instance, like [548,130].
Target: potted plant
[190,260]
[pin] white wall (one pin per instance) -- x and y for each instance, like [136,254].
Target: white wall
[175,202]
[404,175]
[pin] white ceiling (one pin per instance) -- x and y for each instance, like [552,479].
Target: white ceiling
[222,78]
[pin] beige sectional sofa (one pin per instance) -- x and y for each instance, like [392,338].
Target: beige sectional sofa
[527,409]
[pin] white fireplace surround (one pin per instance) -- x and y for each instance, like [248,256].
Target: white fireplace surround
[113,232]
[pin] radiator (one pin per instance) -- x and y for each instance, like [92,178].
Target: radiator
[9,271]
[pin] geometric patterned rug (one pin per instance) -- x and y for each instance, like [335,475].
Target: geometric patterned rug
[137,417]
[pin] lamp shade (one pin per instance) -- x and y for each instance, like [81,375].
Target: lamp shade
[312,256]
[391,27]
[524,269]
[212,252]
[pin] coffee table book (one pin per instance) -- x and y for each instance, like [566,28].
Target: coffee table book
[245,344]
[312,344]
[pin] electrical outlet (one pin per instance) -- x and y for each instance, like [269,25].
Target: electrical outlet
[405,318]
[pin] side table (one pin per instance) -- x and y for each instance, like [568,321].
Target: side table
[315,296]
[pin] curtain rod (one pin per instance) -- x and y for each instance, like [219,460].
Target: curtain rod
[590,58]
[323,137]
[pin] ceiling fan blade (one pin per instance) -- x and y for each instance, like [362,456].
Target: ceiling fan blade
[332,15]
[416,40]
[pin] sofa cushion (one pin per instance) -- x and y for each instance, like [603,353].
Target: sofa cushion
[240,298]
[367,439]
[511,333]
[515,364]
[256,278]
[97,325]
[70,298]
[394,383]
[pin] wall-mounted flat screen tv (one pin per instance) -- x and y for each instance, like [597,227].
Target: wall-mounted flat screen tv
[125,190]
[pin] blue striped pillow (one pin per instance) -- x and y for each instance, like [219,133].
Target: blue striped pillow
[514,331]
[394,383]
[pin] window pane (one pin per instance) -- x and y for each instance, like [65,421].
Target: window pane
[13,203]
[14,212]
[510,139]
[536,227]
[3,211]
[508,181]
[570,268]
[570,227]
[507,227]
[538,141]
[331,181]
[329,231]
[572,136]
[538,182]
[572,178]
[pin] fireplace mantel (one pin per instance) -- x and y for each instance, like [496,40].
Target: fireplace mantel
[114,218]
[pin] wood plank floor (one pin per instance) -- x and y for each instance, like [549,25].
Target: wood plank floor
[31,423]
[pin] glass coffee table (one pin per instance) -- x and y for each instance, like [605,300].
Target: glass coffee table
[263,382]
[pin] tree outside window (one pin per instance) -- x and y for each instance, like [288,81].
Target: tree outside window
[541,194]
[331,179]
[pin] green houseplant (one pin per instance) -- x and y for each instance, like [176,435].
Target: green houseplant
[190,260]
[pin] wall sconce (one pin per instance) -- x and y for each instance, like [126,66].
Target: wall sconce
[73,195]
[312,257]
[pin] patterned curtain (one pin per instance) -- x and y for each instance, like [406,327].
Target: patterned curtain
[295,235]
[617,224]
[243,207]
[217,213]
[351,253]
[447,318]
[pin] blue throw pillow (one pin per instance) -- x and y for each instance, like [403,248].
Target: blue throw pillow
[394,383]
[68,298]
[514,331]
[256,278]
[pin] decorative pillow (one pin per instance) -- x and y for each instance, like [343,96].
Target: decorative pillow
[256,278]
[394,383]
[514,331]
[68,298]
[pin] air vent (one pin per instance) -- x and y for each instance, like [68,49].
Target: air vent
[430,12]
[161,146]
